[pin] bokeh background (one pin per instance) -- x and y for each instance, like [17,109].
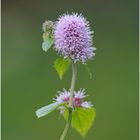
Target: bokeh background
[29,80]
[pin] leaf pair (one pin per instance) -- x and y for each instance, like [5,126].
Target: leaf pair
[82,119]
[62,65]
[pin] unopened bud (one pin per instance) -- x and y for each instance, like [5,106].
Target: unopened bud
[47,25]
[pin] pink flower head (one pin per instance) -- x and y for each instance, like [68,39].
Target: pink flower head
[73,37]
[78,99]
[80,94]
[86,104]
[63,96]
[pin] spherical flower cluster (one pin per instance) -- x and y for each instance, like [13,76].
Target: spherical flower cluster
[64,96]
[73,37]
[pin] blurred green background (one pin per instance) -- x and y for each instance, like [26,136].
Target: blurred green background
[29,80]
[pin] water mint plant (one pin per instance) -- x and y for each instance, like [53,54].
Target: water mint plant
[71,37]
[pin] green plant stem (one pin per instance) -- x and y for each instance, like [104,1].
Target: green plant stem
[73,81]
[67,126]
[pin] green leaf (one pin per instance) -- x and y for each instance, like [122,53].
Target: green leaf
[47,44]
[82,119]
[45,36]
[48,40]
[47,109]
[88,70]
[61,65]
